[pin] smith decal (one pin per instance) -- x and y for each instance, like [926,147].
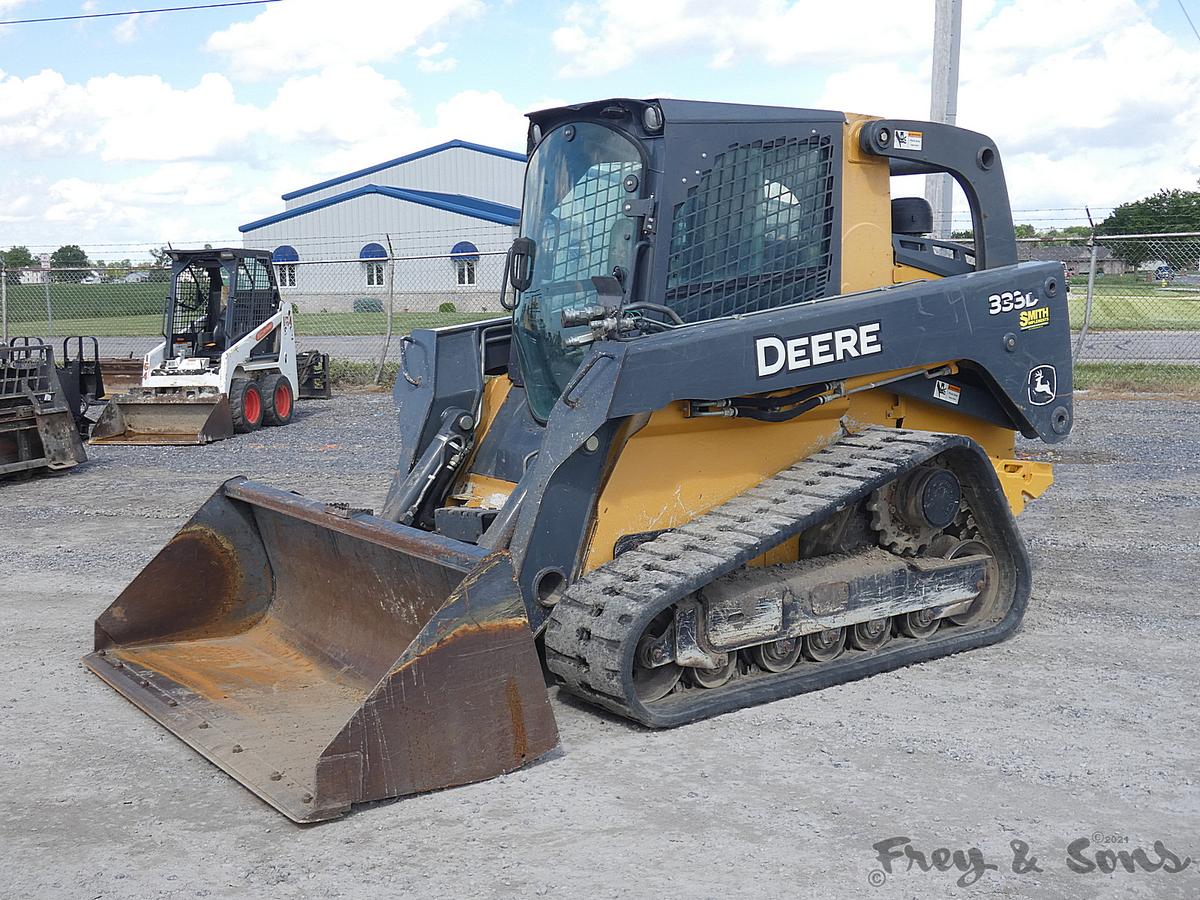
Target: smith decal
[1035,318]
[775,354]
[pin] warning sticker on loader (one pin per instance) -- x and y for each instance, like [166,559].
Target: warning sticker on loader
[945,391]
[908,140]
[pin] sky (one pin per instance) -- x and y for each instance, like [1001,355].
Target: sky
[124,133]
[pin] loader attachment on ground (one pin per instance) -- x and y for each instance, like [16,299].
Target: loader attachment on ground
[324,657]
[37,430]
[167,419]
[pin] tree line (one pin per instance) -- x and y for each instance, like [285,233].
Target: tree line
[1168,211]
[73,257]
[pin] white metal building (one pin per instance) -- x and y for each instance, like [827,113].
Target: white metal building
[438,211]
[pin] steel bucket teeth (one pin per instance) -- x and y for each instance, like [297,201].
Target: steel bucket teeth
[324,661]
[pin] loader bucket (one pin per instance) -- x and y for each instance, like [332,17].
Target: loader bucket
[325,657]
[164,419]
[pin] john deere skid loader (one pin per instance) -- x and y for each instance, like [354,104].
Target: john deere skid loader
[747,433]
[228,360]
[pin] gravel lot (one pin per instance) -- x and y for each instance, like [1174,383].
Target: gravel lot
[1083,726]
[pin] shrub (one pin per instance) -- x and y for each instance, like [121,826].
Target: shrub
[368,305]
[447,307]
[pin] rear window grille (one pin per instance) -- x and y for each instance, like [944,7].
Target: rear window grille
[255,299]
[756,230]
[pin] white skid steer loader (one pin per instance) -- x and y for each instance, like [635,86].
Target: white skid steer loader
[228,361]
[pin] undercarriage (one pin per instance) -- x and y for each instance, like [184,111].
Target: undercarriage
[905,555]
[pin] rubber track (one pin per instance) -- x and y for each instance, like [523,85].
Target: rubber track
[593,631]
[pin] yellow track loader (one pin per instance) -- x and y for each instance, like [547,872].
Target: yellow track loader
[748,432]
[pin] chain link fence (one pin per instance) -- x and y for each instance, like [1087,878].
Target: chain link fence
[1134,305]
[353,309]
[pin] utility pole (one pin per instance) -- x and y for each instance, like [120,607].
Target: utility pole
[943,106]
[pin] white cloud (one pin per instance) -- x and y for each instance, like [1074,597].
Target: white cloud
[305,35]
[120,118]
[127,31]
[603,37]
[1088,101]
[215,171]
[432,50]
[169,201]
[481,116]
[448,64]
[40,114]
[342,104]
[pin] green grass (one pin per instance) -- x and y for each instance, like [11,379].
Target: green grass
[1137,377]
[1135,305]
[307,324]
[27,302]
[109,326]
[135,310]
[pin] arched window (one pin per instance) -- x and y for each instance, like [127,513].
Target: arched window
[369,254]
[285,258]
[465,256]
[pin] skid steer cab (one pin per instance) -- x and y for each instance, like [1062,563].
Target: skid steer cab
[228,361]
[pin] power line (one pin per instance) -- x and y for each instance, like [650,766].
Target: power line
[136,12]
[1183,9]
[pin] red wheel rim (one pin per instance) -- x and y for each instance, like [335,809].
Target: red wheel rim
[283,399]
[252,405]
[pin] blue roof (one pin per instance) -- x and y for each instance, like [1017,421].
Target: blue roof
[475,207]
[420,154]
[285,254]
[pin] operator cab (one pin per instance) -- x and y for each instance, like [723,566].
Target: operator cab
[641,216]
[216,298]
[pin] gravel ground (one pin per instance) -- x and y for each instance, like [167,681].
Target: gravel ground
[1083,726]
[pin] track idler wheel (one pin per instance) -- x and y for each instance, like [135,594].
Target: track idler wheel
[777,656]
[983,605]
[651,680]
[823,646]
[871,635]
[919,623]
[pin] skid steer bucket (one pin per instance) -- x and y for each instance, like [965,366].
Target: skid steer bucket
[324,657]
[161,418]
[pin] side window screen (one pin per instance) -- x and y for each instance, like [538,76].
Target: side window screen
[587,233]
[755,232]
[255,301]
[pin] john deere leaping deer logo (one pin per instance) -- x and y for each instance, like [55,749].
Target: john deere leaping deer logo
[1043,385]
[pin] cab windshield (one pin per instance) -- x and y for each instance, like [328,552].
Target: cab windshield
[572,213]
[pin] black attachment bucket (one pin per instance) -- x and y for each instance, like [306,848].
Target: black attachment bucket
[325,657]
